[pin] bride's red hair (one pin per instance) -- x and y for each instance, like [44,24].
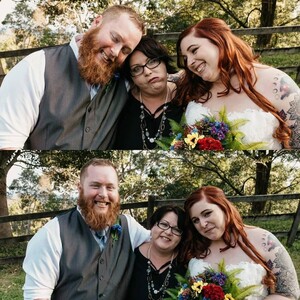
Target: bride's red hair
[236,58]
[198,246]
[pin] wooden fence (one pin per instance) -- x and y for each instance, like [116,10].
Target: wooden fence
[154,202]
[172,36]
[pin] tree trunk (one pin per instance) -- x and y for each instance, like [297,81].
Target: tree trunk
[5,228]
[267,16]
[7,159]
[263,170]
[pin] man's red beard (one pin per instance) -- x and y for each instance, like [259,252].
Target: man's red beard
[90,67]
[97,220]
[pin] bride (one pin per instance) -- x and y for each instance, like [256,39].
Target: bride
[221,71]
[215,231]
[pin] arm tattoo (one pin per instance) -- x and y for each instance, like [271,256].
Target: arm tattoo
[294,112]
[286,89]
[282,266]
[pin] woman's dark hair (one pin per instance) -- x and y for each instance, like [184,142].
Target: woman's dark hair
[163,210]
[151,48]
[198,246]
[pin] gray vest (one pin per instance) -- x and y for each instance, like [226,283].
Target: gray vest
[85,272]
[68,119]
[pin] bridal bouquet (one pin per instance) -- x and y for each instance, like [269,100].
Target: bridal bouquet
[211,285]
[210,133]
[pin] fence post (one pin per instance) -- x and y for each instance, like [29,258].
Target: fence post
[293,232]
[150,208]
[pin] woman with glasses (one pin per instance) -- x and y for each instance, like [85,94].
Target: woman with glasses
[156,261]
[145,117]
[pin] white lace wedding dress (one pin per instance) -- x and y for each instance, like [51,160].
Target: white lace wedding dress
[259,128]
[251,274]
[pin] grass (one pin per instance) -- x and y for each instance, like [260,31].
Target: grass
[11,282]
[282,60]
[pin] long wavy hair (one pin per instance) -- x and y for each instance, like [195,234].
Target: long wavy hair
[198,246]
[235,58]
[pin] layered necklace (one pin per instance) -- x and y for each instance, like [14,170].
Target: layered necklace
[161,127]
[152,290]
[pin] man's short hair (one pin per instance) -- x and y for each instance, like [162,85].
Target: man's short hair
[116,10]
[96,162]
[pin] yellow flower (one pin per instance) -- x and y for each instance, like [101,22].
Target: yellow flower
[192,139]
[197,286]
[174,142]
[228,297]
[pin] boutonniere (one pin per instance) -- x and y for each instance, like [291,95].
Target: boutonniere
[116,230]
[108,86]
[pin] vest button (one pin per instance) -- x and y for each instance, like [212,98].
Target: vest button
[87,129]
[89,109]
[101,261]
[101,277]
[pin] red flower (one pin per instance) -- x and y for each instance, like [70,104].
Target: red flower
[209,143]
[213,292]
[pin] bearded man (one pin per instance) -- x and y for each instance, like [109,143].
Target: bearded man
[88,252]
[69,97]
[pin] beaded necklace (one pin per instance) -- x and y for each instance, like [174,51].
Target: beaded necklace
[151,288]
[161,127]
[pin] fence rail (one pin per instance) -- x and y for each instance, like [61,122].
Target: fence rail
[173,36]
[154,202]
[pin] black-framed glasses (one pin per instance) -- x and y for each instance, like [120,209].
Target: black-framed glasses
[150,64]
[164,225]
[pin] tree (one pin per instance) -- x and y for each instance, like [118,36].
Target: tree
[263,12]
[267,17]
[36,193]
[50,22]
[7,159]
[166,174]
[245,173]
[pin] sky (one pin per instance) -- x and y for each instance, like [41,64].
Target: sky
[13,173]
[6,6]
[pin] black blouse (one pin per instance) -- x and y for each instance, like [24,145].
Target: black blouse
[138,286]
[129,132]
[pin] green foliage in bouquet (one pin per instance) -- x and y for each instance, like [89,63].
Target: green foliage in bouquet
[210,133]
[211,285]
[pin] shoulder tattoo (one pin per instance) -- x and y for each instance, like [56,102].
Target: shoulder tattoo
[285,89]
[282,266]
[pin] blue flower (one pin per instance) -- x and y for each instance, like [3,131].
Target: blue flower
[116,231]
